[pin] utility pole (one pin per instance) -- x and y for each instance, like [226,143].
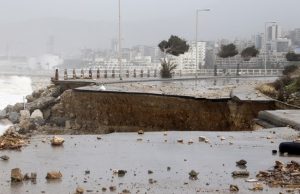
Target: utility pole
[120,43]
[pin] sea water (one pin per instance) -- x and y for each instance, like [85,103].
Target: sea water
[13,89]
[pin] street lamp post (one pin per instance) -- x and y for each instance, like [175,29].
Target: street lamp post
[266,23]
[120,43]
[196,43]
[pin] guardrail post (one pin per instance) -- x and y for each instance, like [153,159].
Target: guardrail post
[90,74]
[148,73]
[65,74]
[56,75]
[74,74]
[98,73]
[127,73]
[113,73]
[155,73]
[142,73]
[134,73]
[82,74]
[105,73]
[215,70]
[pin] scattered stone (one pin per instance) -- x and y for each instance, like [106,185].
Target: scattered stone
[121,173]
[234,188]
[165,133]
[274,151]
[168,168]
[54,175]
[57,141]
[112,188]
[193,175]
[140,132]
[4,157]
[180,140]
[190,141]
[257,187]
[202,138]
[223,138]
[16,175]
[79,190]
[150,172]
[251,180]
[99,138]
[103,189]
[241,162]
[125,191]
[87,172]
[241,173]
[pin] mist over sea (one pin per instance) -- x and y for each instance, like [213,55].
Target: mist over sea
[13,89]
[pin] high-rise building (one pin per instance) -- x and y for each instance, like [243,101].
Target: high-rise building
[258,41]
[274,32]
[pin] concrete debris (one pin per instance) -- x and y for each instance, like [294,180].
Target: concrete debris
[242,173]
[54,175]
[284,175]
[16,175]
[57,141]
[4,157]
[11,141]
[79,190]
[234,188]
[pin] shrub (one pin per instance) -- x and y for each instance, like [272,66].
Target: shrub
[281,82]
[167,69]
[289,69]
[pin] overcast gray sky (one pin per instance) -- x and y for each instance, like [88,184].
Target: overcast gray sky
[27,24]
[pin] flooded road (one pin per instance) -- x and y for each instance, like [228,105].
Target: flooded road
[153,151]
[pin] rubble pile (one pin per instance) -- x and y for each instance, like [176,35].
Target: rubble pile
[284,175]
[12,141]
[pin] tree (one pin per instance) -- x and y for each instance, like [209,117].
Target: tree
[292,56]
[227,51]
[175,46]
[247,54]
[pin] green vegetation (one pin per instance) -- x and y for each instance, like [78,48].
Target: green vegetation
[175,46]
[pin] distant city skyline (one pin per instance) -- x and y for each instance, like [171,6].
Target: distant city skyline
[75,24]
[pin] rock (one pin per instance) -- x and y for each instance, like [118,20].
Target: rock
[193,175]
[40,103]
[180,140]
[103,189]
[241,173]
[14,117]
[4,157]
[121,173]
[79,190]
[223,138]
[57,141]
[234,188]
[168,168]
[31,177]
[274,151]
[37,114]
[30,98]
[26,126]
[140,132]
[18,107]
[16,175]
[241,162]
[87,172]
[47,113]
[59,121]
[150,172]
[190,141]
[24,114]
[3,114]
[68,124]
[54,175]
[53,91]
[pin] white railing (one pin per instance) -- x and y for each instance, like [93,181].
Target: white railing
[68,74]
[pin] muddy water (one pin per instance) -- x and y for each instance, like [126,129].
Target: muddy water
[214,162]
